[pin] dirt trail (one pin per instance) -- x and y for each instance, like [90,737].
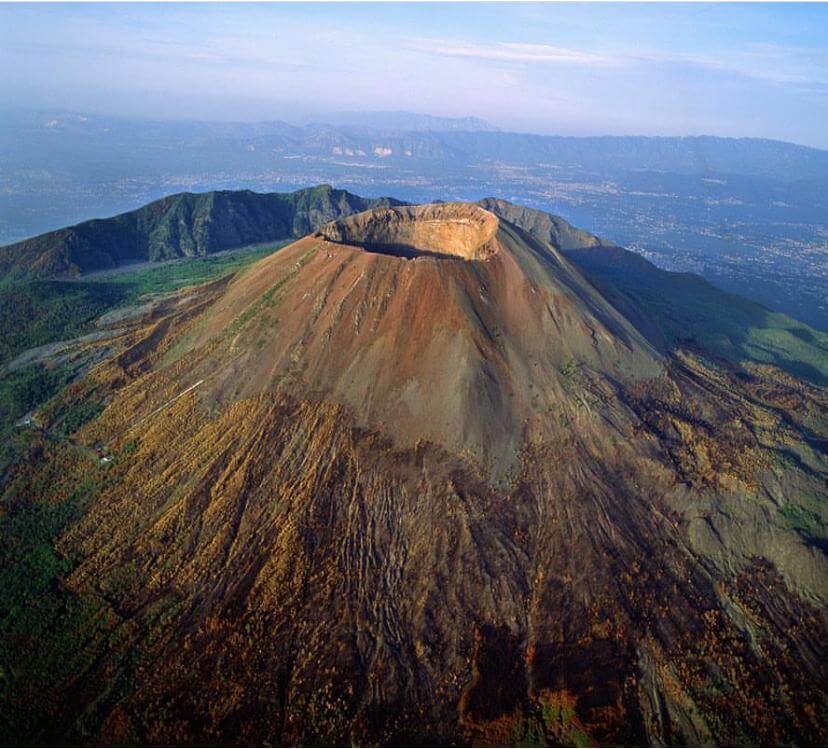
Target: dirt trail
[169,402]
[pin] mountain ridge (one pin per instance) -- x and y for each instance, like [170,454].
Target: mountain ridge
[244,143]
[408,121]
[181,225]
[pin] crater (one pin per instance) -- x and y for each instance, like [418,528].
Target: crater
[442,230]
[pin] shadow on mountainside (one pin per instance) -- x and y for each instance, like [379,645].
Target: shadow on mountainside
[675,308]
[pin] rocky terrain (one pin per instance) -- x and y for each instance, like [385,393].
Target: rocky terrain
[430,474]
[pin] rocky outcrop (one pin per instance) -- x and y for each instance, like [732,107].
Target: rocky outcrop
[448,230]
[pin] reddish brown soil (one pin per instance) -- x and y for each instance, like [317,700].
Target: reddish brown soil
[446,494]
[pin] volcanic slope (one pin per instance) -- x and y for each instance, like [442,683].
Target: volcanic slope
[435,323]
[678,308]
[413,478]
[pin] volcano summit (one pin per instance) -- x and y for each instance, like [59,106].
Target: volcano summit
[440,474]
[439,323]
[453,230]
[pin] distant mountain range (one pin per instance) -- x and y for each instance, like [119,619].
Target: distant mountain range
[408,121]
[34,141]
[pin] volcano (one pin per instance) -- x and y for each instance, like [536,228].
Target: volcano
[437,323]
[419,478]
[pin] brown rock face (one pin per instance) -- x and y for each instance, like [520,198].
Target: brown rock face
[449,230]
[412,479]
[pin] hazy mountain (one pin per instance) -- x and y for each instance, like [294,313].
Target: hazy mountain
[409,121]
[437,474]
[34,141]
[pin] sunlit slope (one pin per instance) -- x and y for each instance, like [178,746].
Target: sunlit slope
[463,349]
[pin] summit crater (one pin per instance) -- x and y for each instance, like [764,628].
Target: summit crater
[443,230]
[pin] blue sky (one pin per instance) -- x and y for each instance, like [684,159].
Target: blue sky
[672,69]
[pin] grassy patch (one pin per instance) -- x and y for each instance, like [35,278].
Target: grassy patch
[178,274]
[34,313]
[808,523]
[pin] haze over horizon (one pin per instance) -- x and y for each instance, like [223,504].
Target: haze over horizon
[745,70]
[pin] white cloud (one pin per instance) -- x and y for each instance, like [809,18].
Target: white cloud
[514,52]
[769,66]
[766,63]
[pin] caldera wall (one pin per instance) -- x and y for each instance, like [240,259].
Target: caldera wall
[448,230]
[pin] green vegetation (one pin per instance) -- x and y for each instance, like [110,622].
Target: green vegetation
[78,414]
[176,274]
[557,721]
[181,225]
[808,522]
[53,635]
[36,313]
[45,627]
[569,367]
[555,713]
[20,392]
[526,732]
[23,389]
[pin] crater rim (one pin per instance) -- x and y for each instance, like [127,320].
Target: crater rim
[445,231]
